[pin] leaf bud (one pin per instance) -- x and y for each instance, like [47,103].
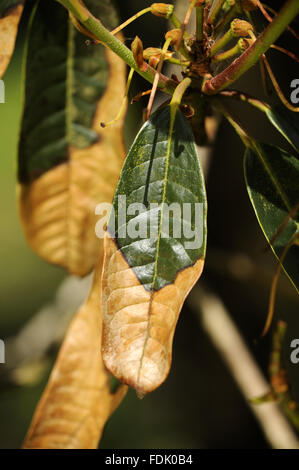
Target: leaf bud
[240,27]
[137,49]
[245,43]
[153,55]
[163,10]
[176,36]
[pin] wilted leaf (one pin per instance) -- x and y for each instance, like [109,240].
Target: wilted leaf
[77,400]
[146,276]
[10,15]
[67,163]
[272,178]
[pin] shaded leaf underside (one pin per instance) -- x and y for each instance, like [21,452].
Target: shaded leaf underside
[283,123]
[272,182]
[67,163]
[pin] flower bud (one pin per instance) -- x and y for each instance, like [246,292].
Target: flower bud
[245,43]
[176,36]
[155,52]
[150,52]
[249,5]
[240,27]
[137,49]
[153,55]
[164,10]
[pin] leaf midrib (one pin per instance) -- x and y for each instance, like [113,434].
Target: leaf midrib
[169,143]
[273,178]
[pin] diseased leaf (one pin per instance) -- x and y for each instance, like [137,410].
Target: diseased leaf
[146,276]
[67,163]
[10,15]
[77,400]
[272,179]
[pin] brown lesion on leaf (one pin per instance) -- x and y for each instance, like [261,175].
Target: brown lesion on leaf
[138,324]
[9,23]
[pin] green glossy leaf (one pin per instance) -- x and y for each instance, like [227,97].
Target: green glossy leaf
[161,169]
[285,122]
[285,125]
[272,178]
[64,80]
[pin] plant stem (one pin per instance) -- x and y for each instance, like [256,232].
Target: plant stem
[222,42]
[175,21]
[130,20]
[218,325]
[253,53]
[93,25]
[227,54]
[216,10]
[230,15]
[182,63]
[199,22]
[156,80]
[179,92]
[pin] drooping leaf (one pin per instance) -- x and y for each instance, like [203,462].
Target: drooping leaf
[10,15]
[67,163]
[77,400]
[272,179]
[147,274]
[283,123]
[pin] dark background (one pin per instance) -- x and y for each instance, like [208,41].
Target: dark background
[199,406]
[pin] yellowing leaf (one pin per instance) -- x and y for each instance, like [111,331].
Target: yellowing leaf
[77,400]
[58,209]
[10,15]
[138,324]
[67,163]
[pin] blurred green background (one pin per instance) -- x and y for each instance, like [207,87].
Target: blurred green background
[199,406]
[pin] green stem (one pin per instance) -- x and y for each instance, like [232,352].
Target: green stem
[93,25]
[227,54]
[261,105]
[199,22]
[179,92]
[176,101]
[216,11]
[175,21]
[253,53]
[130,20]
[230,15]
[182,63]
[222,42]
